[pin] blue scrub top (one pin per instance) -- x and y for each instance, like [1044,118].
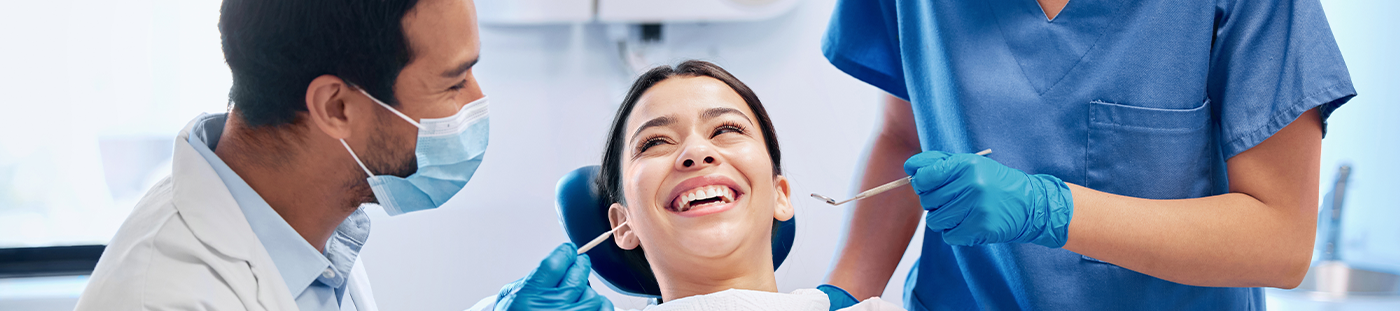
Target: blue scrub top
[1140,98]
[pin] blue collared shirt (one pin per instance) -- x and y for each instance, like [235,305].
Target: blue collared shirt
[317,279]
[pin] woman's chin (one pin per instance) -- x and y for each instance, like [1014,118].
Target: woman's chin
[714,243]
[709,248]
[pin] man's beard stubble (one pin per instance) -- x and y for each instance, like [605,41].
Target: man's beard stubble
[386,156]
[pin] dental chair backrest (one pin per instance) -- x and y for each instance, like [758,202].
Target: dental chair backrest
[584,215]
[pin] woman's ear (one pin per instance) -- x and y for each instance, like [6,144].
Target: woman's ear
[326,106]
[624,236]
[782,205]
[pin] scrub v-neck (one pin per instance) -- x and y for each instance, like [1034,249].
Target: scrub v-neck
[1047,49]
[1049,18]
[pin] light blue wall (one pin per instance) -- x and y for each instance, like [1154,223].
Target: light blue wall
[1366,131]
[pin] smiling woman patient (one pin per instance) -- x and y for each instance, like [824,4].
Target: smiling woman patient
[693,166]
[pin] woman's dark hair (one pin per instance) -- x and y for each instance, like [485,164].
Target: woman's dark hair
[609,181]
[276,47]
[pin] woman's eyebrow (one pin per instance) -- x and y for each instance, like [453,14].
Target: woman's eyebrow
[658,121]
[719,111]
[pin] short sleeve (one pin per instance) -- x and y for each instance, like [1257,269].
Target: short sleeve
[863,41]
[1271,61]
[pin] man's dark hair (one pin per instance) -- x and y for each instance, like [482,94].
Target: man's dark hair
[276,47]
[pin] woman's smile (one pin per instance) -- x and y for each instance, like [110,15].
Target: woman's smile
[704,195]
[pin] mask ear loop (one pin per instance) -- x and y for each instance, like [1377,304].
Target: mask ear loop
[357,158]
[386,106]
[391,109]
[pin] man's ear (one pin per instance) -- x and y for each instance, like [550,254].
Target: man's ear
[624,236]
[326,103]
[782,205]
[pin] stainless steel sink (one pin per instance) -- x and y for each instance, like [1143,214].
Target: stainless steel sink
[1332,278]
[1335,279]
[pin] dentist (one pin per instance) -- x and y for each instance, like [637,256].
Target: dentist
[1150,155]
[334,104]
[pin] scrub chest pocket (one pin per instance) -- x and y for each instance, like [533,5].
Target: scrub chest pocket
[1151,153]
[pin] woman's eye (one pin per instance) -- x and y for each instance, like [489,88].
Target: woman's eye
[650,142]
[727,128]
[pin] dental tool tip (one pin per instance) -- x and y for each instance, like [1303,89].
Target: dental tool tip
[599,239]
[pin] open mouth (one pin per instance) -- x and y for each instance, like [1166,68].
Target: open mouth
[702,197]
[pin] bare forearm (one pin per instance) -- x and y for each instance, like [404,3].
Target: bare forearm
[1259,234]
[1229,240]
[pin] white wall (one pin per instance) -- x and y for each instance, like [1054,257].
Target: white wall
[78,77]
[553,91]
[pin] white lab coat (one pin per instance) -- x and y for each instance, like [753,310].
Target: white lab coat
[187,246]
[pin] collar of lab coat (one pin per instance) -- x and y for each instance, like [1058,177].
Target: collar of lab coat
[206,204]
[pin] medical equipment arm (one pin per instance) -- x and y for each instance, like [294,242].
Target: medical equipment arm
[880,227]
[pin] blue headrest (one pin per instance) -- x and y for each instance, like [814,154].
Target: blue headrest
[585,216]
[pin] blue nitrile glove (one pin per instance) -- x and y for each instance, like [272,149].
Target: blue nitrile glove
[559,283]
[975,200]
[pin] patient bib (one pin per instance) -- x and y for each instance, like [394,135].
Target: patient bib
[744,300]
[806,299]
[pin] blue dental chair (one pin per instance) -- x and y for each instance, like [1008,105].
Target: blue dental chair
[584,216]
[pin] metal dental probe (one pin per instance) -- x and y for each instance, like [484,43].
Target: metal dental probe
[880,189]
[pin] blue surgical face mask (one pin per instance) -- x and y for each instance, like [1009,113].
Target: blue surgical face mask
[449,151]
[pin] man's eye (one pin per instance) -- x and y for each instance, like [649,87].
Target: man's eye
[459,86]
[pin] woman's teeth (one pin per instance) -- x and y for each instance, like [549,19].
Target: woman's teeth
[702,196]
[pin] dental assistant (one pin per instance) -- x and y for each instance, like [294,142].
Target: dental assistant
[334,104]
[1150,154]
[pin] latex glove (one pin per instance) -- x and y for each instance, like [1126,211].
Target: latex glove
[975,200]
[559,283]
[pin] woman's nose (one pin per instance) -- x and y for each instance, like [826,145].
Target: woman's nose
[696,157]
